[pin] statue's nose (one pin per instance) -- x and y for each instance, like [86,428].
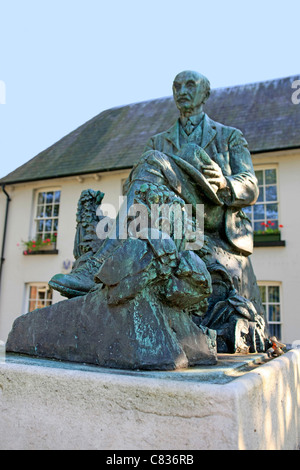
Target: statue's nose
[183,90]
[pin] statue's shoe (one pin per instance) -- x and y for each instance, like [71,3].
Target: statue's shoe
[79,281]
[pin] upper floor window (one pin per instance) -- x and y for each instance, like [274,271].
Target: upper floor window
[46,215]
[265,211]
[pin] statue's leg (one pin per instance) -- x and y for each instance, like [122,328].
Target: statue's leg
[155,168]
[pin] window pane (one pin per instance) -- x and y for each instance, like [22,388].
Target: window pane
[41,198]
[271,193]
[272,211]
[49,198]
[263,293]
[40,226]
[273,313]
[258,226]
[270,176]
[49,211]
[273,294]
[32,305]
[49,295]
[40,211]
[259,176]
[56,210]
[258,212]
[57,196]
[248,211]
[273,224]
[33,292]
[275,330]
[55,225]
[261,194]
[41,295]
[48,225]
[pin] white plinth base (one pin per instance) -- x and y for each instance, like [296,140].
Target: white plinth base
[49,405]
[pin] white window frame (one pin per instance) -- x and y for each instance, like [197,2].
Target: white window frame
[123,181]
[35,218]
[273,166]
[41,287]
[268,284]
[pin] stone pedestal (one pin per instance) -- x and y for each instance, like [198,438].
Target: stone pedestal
[243,402]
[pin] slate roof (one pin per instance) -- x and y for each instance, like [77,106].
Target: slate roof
[115,138]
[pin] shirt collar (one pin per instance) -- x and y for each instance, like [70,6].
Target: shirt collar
[195,120]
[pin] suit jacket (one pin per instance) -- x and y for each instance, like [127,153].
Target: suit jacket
[228,148]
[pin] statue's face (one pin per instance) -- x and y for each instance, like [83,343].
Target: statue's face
[189,92]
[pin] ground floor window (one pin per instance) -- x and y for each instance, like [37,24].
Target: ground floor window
[39,296]
[271,299]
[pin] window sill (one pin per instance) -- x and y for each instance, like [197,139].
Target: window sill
[269,243]
[42,252]
[268,239]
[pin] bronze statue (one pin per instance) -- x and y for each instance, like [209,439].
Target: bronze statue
[208,294]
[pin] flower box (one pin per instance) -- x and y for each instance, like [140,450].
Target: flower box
[267,237]
[39,246]
[47,249]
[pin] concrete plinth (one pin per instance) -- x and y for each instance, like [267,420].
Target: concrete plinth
[244,402]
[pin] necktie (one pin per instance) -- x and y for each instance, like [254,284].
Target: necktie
[189,127]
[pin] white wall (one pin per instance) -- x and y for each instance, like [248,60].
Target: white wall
[19,269]
[282,264]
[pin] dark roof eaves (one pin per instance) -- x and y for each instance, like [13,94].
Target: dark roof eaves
[3,181]
[275,149]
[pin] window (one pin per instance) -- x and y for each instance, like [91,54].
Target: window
[46,215]
[39,296]
[123,183]
[265,210]
[270,294]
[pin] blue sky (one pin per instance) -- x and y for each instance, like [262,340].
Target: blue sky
[63,62]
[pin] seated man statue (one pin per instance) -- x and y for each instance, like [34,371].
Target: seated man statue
[196,162]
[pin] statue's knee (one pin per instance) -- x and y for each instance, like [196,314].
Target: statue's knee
[154,157]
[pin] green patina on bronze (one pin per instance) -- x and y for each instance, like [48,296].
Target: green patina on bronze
[151,301]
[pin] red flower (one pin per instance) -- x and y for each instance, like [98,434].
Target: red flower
[25,253]
[280,226]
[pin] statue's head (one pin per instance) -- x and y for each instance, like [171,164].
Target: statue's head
[190,91]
